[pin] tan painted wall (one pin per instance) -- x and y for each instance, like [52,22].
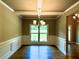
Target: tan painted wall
[61,23]
[77,33]
[27,22]
[10,25]
[26,39]
[61,29]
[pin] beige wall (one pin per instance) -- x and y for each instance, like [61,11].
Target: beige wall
[26,26]
[61,23]
[61,29]
[10,25]
[77,33]
[26,39]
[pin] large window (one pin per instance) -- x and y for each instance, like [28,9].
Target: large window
[34,33]
[43,33]
[39,33]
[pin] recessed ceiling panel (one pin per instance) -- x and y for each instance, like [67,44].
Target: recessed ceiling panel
[22,4]
[57,5]
[48,5]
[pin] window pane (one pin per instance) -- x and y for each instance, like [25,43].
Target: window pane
[43,33]
[43,29]
[34,37]
[34,29]
[43,37]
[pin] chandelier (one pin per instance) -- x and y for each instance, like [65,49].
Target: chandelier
[39,12]
[76,16]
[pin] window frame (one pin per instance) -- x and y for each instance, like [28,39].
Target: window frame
[38,34]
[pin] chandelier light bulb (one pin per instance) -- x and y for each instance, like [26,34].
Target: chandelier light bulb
[74,17]
[42,22]
[34,22]
[76,14]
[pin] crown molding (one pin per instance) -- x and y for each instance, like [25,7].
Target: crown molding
[40,18]
[75,4]
[46,12]
[6,5]
[35,13]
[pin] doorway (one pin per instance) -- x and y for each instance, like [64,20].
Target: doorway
[71,26]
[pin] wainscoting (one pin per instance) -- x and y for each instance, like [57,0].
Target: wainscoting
[26,40]
[59,42]
[9,47]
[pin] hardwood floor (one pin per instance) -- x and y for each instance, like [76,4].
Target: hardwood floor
[73,51]
[38,52]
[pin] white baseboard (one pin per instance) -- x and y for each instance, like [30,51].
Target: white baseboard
[26,40]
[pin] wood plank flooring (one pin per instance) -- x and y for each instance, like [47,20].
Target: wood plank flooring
[38,52]
[73,51]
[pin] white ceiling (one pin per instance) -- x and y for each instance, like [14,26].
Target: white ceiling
[49,6]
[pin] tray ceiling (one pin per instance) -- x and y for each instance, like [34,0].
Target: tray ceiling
[48,5]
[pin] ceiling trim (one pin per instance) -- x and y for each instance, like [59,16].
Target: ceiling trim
[3,3]
[18,12]
[35,13]
[75,4]
[36,10]
[40,18]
